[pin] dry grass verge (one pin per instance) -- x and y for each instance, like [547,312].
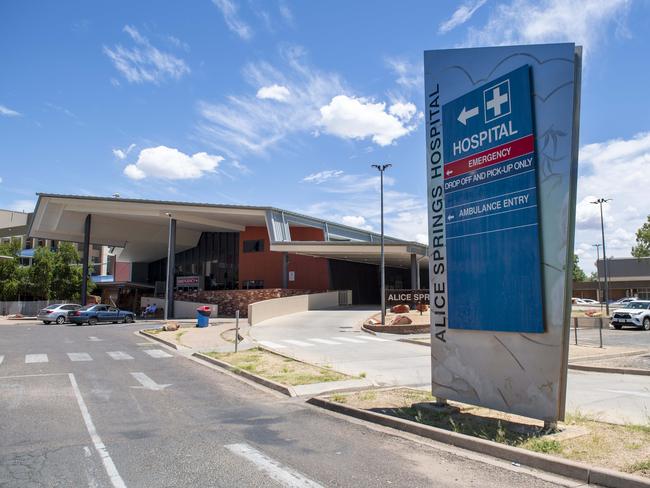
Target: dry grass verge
[278,368]
[620,447]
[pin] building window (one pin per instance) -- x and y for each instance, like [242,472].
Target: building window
[254,246]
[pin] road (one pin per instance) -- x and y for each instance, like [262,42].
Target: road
[103,407]
[610,397]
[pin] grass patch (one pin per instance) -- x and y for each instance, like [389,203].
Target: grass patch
[180,334]
[278,368]
[581,437]
[153,331]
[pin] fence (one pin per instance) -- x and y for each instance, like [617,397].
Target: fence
[27,308]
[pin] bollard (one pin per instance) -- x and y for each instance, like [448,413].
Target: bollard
[575,329]
[600,331]
[236,329]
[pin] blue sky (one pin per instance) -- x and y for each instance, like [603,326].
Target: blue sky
[288,103]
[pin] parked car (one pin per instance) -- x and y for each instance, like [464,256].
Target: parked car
[588,301]
[636,314]
[622,302]
[57,312]
[93,314]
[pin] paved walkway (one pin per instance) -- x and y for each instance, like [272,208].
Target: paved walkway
[333,338]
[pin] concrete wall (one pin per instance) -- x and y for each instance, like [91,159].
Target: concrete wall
[268,309]
[182,310]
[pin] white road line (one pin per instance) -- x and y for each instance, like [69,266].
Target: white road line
[282,474]
[147,383]
[629,392]
[79,356]
[272,345]
[2,358]
[349,339]
[36,358]
[324,341]
[119,355]
[95,339]
[297,343]
[378,339]
[158,353]
[109,466]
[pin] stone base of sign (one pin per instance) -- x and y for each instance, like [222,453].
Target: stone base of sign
[398,329]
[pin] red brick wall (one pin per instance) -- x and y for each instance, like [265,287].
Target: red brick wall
[231,300]
[122,271]
[310,273]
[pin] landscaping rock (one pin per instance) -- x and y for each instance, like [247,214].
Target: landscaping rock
[422,307]
[401,320]
[171,326]
[401,308]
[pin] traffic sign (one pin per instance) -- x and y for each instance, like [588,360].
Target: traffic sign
[491,208]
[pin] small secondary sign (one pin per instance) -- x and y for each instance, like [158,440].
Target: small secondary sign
[491,214]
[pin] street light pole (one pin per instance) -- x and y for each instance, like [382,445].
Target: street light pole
[382,168]
[600,202]
[597,246]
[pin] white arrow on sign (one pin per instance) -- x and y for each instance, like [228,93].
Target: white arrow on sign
[147,383]
[450,172]
[451,217]
[465,115]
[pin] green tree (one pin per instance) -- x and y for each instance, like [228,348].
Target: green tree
[11,279]
[40,273]
[642,248]
[578,273]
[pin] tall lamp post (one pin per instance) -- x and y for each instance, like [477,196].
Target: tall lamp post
[381,168]
[597,246]
[600,202]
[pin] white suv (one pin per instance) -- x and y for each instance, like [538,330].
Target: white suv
[636,314]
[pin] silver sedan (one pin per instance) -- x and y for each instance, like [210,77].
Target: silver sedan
[57,313]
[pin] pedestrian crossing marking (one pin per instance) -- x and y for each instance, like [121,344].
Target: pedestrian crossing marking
[158,353]
[35,358]
[119,355]
[349,339]
[324,341]
[373,338]
[95,339]
[79,356]
[297,343]
[2,358]
[272,345]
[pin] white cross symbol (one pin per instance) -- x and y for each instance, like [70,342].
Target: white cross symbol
[497,100]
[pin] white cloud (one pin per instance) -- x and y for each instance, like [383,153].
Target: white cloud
[273,92]
[242,168]
[231,17]
[286,13]
[144,63]
[409,75]
[529,22]
[359,118]
[22,206]
[167,163]
[7,112]
[0,180]
[461,15]
[322,176]
[250,124]
[356,221]
[403,111]
[613,169]
[247,124]
[123,153]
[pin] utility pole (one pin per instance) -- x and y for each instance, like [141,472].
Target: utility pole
[382,168]
[600,202]
[597,246]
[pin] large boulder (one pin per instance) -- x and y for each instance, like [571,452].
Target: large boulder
[401,308]
[422,307]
